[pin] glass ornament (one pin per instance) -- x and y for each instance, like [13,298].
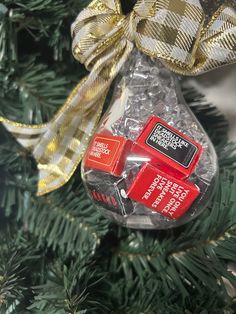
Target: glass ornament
[150,164]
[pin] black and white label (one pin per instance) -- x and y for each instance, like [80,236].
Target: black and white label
[172,145]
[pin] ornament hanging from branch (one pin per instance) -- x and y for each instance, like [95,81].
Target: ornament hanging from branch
[159,128]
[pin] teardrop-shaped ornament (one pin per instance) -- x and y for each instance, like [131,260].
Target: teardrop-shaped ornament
[150,164]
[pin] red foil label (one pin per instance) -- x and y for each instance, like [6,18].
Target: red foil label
[107,153]
[167,147]
[163,193]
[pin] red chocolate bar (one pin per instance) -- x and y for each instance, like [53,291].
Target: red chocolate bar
[162,193]
[108,153]
[167,148]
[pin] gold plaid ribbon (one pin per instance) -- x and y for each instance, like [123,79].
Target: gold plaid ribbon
[103,38]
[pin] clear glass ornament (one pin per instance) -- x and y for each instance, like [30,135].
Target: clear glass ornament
[119,163]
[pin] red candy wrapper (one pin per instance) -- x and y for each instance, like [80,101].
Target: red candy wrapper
[162,193]
[168,148]
[108,153]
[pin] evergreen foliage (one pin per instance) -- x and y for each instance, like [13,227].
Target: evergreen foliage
[57,254]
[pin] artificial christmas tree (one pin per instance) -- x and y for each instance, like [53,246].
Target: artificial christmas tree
[58,254]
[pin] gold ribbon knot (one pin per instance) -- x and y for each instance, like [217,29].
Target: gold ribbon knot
[103,38]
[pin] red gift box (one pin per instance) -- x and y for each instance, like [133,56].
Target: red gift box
[108,153]
[167,148]
[162,193]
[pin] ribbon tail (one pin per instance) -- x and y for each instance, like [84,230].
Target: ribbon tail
[27,136]
[62,147]
[59,145]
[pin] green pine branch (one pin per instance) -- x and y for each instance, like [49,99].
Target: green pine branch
[149,297]
[38,91]
[76,231]
[64,220]
[19,259]
[73,289]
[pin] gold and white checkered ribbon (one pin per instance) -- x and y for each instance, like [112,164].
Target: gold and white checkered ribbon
[103,38]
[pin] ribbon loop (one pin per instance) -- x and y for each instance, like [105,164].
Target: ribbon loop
[129,27]
[170,30]
[96,30]
[167,29]
[103,38]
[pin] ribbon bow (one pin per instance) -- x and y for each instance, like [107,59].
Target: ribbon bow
[103,38]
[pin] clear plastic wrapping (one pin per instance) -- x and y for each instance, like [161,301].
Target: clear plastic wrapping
[150,164]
